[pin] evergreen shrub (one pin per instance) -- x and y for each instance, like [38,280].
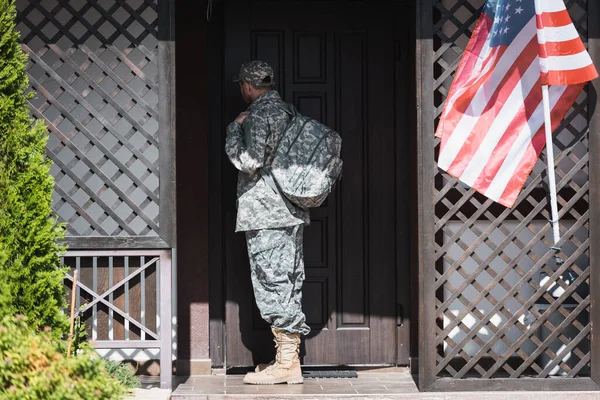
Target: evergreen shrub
[29,234]
[33,367]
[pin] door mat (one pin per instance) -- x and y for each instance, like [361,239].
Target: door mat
[330,374]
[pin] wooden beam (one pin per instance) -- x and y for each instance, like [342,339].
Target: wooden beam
[105,242]
[193,168]
[215,48]
[594,196]
[166,117]
[425,180]
[520,384]
[404,66]
[127,344]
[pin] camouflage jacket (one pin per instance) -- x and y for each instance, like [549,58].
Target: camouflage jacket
[249,147]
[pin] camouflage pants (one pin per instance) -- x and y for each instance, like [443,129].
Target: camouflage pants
[277,271]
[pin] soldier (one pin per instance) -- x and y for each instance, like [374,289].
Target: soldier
[273,226]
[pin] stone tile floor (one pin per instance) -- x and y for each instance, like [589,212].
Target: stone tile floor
[368,385]
[365,384]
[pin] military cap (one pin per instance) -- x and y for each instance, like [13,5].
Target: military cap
[257,73]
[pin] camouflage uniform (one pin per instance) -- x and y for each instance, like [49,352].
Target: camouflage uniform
[273,226]
[277,271]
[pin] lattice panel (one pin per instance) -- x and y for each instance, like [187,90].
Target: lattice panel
[505,308]
[93,67]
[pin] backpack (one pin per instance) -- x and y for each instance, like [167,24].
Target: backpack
[306,162]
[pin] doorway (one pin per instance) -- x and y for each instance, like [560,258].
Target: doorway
[336,61]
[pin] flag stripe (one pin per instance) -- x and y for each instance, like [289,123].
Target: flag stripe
[571,77]
[463,97]
[528,160]
[537,144]
[550,6]
[491,168]
[499,110]
[478,44]
[487,53]
[470,84]
[559,18]
[520,146]
[565,48]
[477,55]
[509,112]
[563,57]
[558,34]
[456,138]
[566,63]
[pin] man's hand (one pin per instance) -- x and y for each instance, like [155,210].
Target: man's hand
[242,117]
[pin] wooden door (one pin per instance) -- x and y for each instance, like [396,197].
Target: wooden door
[335,61]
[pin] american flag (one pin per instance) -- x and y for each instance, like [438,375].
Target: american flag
[492,126]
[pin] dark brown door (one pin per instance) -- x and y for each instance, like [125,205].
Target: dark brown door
[335,61]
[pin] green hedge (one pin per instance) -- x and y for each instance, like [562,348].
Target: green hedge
[33,367]
[29,234]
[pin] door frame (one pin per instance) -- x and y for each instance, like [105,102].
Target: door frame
[405,66]
[216,127]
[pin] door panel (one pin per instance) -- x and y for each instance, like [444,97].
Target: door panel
[336,65]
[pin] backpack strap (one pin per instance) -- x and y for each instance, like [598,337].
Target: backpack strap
[265,172]
[290,109]
[292,112]
[287,107]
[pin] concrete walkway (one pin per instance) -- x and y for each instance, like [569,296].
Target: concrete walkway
[150,389]
[150,394]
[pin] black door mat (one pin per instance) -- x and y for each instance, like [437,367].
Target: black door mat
[330,374]
[307,371]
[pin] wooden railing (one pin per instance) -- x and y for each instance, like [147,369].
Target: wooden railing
[124,299]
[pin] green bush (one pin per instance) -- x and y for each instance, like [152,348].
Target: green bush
[80,337]
[33,367]
[32,362]
[5,301]
[124,373]
[29,235]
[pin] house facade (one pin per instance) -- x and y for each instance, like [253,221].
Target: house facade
[405,265]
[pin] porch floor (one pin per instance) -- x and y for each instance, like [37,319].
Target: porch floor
[365,384]
[368,385]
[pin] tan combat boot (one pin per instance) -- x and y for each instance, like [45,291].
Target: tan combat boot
[286,368]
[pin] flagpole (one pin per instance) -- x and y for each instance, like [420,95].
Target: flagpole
[550,154]
[549,143]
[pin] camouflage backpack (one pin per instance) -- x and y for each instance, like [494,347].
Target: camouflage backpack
[306,162]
